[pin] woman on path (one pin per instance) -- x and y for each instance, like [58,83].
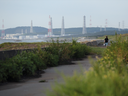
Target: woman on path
[106,41]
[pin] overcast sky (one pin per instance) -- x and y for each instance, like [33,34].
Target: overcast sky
[20,13]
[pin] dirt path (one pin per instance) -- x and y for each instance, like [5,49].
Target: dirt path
[33,87]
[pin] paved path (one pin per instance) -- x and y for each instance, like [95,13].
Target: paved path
[33,87]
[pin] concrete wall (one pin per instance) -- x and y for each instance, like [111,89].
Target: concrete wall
[10,53]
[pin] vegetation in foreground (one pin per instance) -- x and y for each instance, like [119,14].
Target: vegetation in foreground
[107,77]
[29,63]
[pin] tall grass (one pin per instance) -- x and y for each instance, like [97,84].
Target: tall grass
[116,55]
[97,50]
[93,84]
[23,45]
[107,77]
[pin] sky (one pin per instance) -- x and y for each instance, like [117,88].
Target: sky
[18,13]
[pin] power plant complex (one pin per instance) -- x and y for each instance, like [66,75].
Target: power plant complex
[50,30]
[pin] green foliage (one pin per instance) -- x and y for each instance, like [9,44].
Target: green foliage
[3,74]
[25,63]
[24,59]
[37,59]
[28,62]
[97,50]
[42,81]
[62,50]
[10,71]
[92,84]
[54,48]
[14,71]
[107,77]
[51,59]
[79,50]
[116,55]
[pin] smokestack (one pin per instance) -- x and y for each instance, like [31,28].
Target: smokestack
[123,25]
[100,28]
[84,25]
[21,31]
[119,27]
[50,31]
[31,29]
[62,29]
[51,27]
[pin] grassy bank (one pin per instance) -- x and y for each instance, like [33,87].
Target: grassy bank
[107,77]
[112,37]
[97,50]
[19,46]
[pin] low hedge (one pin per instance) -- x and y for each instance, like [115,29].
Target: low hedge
[27,63]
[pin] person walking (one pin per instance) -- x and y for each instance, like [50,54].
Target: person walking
[106,41]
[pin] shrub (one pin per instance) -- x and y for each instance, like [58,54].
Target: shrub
[37,59]
[24,60]
[48,57]
[107,77]
[3,73]
[79,50]
[115,56]
[65,52]
[51,59]
[60,49]
[92,84]
[13,71]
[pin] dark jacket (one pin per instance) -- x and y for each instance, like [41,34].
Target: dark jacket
[106,40]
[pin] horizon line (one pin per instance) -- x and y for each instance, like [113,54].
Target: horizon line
[64,28]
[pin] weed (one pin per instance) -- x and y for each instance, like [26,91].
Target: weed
[42,81]
[107,77]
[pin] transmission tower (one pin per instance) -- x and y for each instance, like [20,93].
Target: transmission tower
[100,28]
